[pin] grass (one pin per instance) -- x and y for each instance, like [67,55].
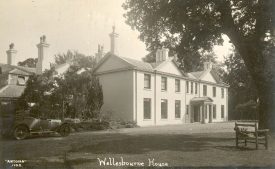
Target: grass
[188,145]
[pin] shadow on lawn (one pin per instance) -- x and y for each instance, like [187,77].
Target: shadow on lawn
[141,144]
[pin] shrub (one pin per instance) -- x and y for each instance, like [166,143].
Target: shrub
[93,125]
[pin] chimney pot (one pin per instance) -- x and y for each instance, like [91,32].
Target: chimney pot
[207,65]
[162,54]
[113,37]
[42,54]
[11,55]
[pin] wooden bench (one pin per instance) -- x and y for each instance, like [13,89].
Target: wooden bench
[248,132]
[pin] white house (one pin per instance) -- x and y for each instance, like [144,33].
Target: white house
[160,93]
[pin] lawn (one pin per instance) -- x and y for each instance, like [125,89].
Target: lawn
[187,145]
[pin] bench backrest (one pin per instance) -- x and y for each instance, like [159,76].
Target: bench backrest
[247,125]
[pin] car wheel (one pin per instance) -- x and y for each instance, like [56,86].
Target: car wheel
[64,130]
[20,132]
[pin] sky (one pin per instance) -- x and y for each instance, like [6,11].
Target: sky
[69,25]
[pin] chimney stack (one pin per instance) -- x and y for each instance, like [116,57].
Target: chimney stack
[207,65]
[11,55]
[162,54]
[113,37]
[42,53]
[99,54]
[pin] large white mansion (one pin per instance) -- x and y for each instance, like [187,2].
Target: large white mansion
[160,93]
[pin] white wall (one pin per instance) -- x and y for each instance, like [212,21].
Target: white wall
[118,94]
[156,95]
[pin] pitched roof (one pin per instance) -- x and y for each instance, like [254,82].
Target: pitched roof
[19,70]
[7,68]
[213,72]
[200,99]
[138,64]
[154,66]
[12,91]
[197,74]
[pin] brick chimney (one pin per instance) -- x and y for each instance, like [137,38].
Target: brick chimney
[11,55]
[42,53]
[162,54]
[99,54]
[113,37]
[207,65]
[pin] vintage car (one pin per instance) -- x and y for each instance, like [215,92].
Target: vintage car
[27,126]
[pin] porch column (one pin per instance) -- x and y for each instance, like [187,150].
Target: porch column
[210,112]
[203,113]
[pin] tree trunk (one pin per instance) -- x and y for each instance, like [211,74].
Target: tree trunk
[260,65]
[266,108]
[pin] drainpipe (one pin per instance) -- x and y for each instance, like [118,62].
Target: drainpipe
[155,98]
[136,96]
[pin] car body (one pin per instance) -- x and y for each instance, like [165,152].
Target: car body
[26,126]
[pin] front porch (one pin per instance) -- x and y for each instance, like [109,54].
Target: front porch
[201,110]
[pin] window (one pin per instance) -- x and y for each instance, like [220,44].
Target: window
[146,108]
[222,92]
[177,108]
[222,111]
[177,85]
[187,87]
[196,88]
[164,109]
[191,87]
[21,80]
[163,83]
[214,91]
[187,109]
[147,81]
[204,90]
[214,112]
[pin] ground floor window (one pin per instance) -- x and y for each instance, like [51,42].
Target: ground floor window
[177,109]
[147,108]
[222,111]
[164,109]
[214,112]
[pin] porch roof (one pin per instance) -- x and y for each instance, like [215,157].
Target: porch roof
[201,99]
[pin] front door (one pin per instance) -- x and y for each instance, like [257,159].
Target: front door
[196,113]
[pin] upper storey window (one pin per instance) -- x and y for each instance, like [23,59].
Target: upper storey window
[177,85]
[204,90]
[163,83]
[147,81]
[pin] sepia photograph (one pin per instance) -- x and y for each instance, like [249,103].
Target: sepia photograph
[95,84]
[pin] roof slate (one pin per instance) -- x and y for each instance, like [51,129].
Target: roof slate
[154,66]
[138,64]
[7,68]
[12,91]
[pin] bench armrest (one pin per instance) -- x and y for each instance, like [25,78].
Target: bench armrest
[263,130]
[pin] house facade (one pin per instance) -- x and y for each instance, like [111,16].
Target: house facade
[160,93]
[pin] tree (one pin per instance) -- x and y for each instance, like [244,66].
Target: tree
[73,94]
[95,97]
[188,26]
[30,62]
[242,89]
[78,59]
[39,91]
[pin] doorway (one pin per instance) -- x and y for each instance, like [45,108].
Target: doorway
[196,113]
